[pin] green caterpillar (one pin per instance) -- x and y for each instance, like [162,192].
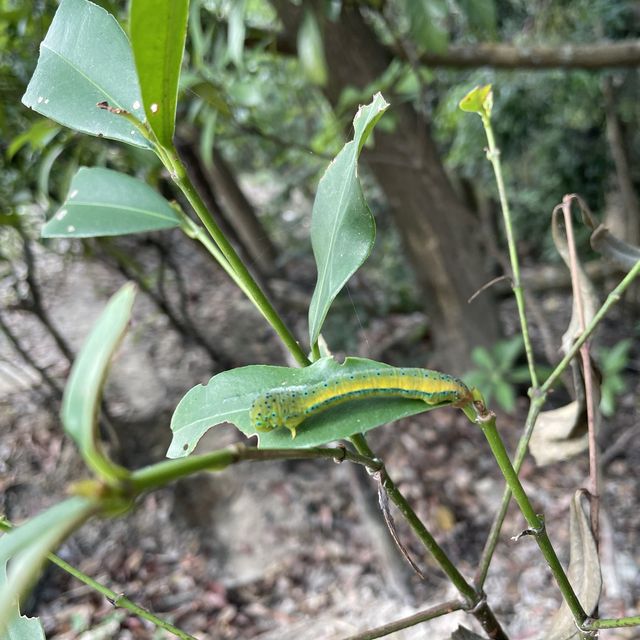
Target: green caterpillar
[289,406]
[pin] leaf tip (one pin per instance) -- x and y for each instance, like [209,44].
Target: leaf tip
[479,100]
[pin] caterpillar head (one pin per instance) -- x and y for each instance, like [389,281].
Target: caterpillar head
[275,409]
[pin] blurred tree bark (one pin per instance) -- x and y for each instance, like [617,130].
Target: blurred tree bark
[623,220]
[439,232]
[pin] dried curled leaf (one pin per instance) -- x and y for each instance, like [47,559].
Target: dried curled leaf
[583,572]
[561,433]
[462,633]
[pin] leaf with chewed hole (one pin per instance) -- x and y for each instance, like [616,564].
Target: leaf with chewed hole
[20,627]
[228,397]
[102,202]
[86,59]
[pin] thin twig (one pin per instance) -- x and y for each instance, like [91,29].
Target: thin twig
[37,307]
[116,599]
[410,621]
[594,488]
[383,501]
[487,285]
[534,410]
[56,391]
[493,154]
[475,598]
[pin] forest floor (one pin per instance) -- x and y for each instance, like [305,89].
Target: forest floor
[287,550]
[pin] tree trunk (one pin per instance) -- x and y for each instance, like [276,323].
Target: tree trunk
[439,233]
[624,220]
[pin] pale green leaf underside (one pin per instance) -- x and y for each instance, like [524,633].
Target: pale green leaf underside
[27,547]
[229,395]
[158,30]
[342,227]
[83,391]
[102,202]
[86,58]
[20,627]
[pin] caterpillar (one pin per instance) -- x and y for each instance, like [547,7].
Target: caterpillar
[290,406]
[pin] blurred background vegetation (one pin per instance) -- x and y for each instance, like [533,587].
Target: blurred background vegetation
[268,92]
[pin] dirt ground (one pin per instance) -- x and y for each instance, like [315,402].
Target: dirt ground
[275,550]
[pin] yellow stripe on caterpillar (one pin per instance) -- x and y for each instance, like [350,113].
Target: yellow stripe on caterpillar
[289,406]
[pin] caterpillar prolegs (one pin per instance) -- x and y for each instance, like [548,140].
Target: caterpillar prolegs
[290,406]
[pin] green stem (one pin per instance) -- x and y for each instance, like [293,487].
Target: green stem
[612,299]
[612,623]
[494,157]
[428,541]
[409,621]
[160,474]
[535,522]
[476,601]
[179,175]
[494,534]
[117,599]
[537,402]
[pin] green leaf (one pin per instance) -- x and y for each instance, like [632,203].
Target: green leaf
[427,24]
[479,100]
[483,358]
[342,227]
[37,136]
[481,16]
[20,627]
[229,395]
[27,547]
[507,352]
[311,49]
[81,400]
[505,395]
[9,220]
[236,32]
[616,358]
[213,95]
[86,59]
[102,202]
[158,30]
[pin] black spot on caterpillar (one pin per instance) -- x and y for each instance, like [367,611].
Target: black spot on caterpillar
[290,406]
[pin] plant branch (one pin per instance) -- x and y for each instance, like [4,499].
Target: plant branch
[493,154]
[537,402]
[494,533]
[612,299]
[475,599]
[410,621]
[487,422]
[594,483]
[611,623]
[116,599]
[159,474]
[601,55]
[232,263]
